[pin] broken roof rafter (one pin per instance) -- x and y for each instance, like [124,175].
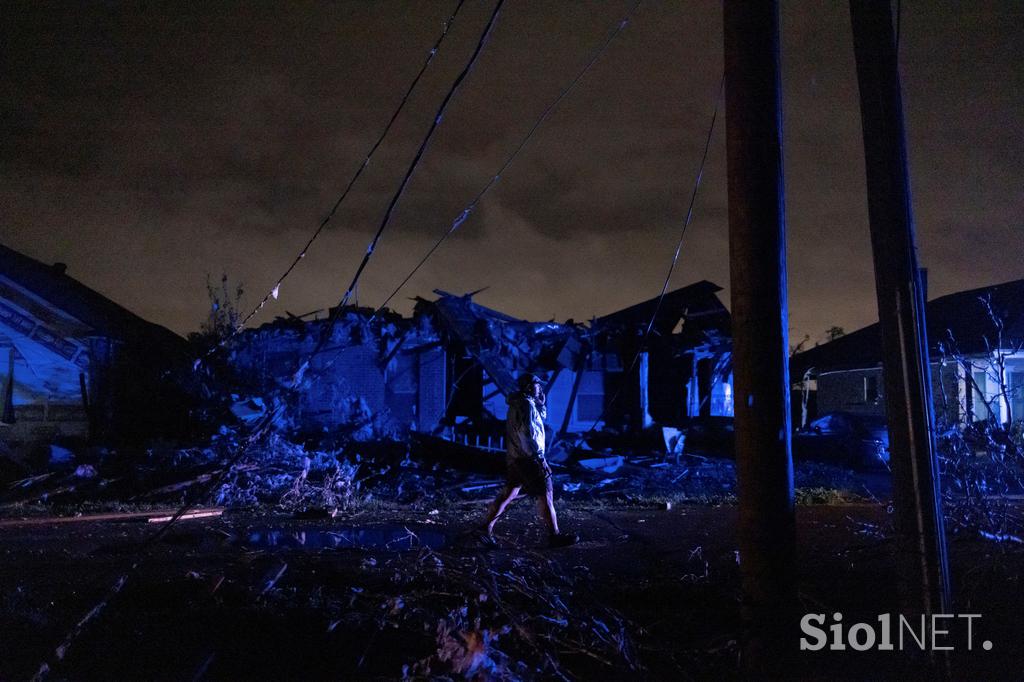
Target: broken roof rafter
[501,344]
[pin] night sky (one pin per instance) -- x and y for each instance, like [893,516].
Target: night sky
[148,144]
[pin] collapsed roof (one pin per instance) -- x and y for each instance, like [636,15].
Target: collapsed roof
[692,315]
[504,345]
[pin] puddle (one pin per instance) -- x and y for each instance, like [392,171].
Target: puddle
[394,538]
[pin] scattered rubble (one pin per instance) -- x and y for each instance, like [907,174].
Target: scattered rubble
[282,476]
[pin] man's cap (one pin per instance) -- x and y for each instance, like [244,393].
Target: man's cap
[526,380]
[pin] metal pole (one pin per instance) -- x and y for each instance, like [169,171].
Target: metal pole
[757,259]
[922,566]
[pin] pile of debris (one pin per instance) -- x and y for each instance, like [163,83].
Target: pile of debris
[528,619]
[278,475]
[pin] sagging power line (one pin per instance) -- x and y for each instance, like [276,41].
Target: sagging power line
[675,258]
[466,212]
[274,291]
[386,219]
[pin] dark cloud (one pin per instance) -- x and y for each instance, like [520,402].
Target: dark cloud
[148,144]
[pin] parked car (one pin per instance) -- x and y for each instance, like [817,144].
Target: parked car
[853,440]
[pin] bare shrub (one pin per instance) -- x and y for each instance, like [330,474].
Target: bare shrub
[982,456]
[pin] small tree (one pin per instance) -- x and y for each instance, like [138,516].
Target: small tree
[214,380]
[800,347]
[223,315]
[982,458]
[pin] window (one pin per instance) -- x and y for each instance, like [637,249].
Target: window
[402,382]
[402,375]
[721,398]
[979,396]
[1015,390]
[871,389]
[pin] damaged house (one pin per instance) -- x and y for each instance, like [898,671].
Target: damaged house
[377,376]
[75,365]
[446,370]
[683,371]
[976,350]
[487,350]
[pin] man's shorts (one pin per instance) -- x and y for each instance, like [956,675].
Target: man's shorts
[532,475]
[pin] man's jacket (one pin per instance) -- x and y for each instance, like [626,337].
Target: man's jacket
[524,427]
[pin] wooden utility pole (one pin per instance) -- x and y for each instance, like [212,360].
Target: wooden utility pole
[921,545]
[757,262]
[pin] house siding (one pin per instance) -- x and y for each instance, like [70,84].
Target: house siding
[844,391]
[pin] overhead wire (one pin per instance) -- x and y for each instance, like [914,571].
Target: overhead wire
[275,290]
[263,424]
[386,219]
[464,215]
[466,212]
[267,420]
[270,417]
[675,258]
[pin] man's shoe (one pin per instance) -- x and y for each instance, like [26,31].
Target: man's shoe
[485,537]
[563,539]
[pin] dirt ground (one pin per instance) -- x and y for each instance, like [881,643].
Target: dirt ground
[386,592]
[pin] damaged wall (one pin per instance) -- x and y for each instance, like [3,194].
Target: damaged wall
[688,357]
[372,379]
[490,349]
[449,368]
[585,366]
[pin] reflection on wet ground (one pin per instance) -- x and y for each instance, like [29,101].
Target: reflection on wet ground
[395,538]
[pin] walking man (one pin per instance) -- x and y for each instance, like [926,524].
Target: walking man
[528,470]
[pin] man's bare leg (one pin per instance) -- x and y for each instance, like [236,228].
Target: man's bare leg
[499,506]
[546,508]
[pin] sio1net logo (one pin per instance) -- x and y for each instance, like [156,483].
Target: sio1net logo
[938,632]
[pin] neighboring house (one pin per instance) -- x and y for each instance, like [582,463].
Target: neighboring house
[76,365]
[976,351]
